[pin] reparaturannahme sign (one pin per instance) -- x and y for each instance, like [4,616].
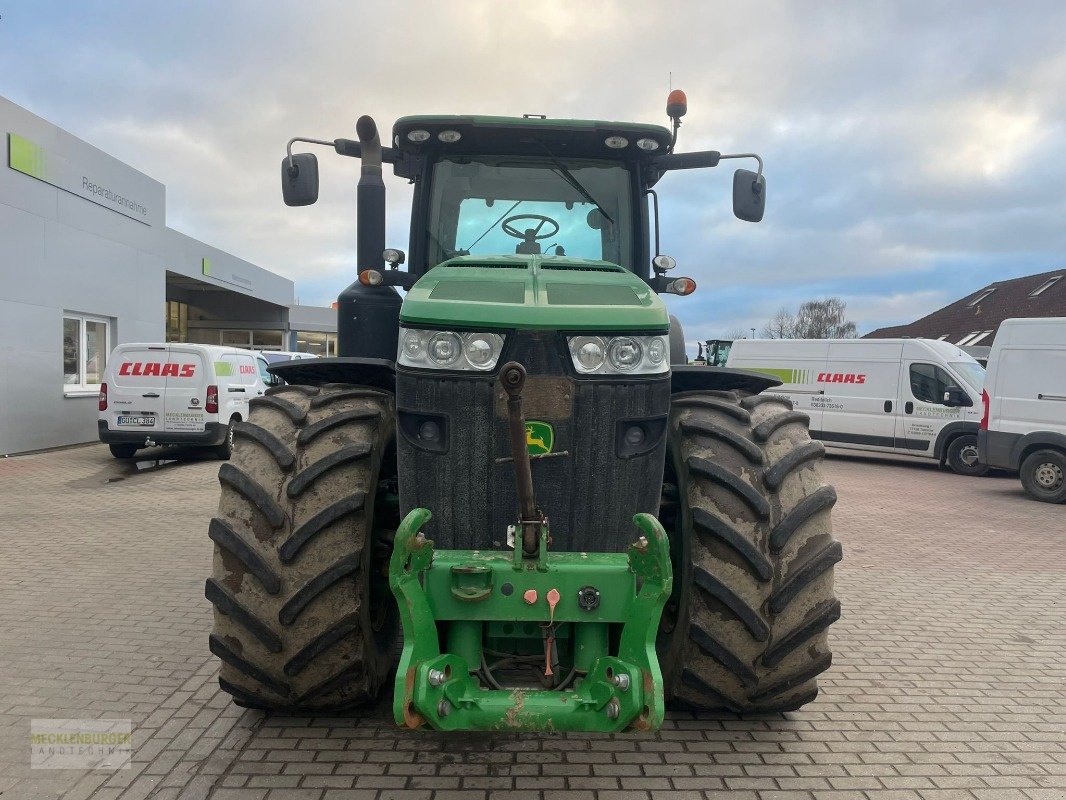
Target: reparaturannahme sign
[96,180]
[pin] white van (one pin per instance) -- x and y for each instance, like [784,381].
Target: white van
[1024,423]
[915,397]
[177,394]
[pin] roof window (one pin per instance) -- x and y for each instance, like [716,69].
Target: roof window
[985,293]
[1045,286]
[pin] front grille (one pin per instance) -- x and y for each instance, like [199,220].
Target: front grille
[589,495]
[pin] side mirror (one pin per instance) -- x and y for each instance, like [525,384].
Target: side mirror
[749,195]
[299,179]
[955,397]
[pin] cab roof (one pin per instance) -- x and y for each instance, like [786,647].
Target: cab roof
[486,135]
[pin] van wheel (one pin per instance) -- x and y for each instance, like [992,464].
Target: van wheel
[748,515]
[123,450]
[225,450]
[962,456]
[303,616]
[1043,475]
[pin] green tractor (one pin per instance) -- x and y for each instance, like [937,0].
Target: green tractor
[510,471]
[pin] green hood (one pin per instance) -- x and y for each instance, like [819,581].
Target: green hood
[524,291]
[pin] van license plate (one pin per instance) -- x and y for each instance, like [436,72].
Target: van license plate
[140,422]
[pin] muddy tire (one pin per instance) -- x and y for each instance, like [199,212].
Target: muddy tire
[961,456]
[303,617]
[748,512]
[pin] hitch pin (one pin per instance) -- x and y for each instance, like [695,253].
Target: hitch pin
[553,598]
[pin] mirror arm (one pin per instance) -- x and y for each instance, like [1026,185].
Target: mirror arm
[288,147]
[756,156]
[344,147]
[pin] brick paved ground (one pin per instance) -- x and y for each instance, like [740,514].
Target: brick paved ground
[949,680]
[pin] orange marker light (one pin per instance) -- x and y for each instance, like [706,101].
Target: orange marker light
[681,286]
[370,277]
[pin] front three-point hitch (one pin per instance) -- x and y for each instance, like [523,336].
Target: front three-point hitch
[474,620]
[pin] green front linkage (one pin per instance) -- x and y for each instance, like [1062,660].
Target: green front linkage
[471,590]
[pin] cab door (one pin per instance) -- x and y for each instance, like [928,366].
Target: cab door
[922,385]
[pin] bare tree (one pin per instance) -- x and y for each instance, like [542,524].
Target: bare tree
[782,326]
[735,333]
[816,319]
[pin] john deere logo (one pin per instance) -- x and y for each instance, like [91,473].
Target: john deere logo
[539,437]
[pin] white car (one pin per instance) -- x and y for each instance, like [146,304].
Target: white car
[914,397]
[1024,423]
[177,394]
[280,356]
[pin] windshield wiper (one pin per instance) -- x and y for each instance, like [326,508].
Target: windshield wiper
[575,184]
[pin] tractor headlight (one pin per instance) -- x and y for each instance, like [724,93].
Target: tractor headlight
[620,355]
[449,349]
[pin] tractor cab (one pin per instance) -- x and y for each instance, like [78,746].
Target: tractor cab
[529,186]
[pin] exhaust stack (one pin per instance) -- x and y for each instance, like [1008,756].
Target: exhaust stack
[367,316]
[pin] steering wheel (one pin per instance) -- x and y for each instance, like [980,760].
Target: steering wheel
[530,235]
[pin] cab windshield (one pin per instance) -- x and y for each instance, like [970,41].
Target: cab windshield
[554,207]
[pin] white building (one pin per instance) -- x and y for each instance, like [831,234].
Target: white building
[86,262]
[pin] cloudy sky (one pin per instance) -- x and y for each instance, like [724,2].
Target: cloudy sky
[914,150]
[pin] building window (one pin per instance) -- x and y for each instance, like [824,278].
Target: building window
[966,339]
[177,321]
[237,338]
[204,336]
[320,344]
[266,340]
[981,296]
[1045,286]
[979,337]
[86,345]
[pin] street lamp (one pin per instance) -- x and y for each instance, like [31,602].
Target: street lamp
[752,333]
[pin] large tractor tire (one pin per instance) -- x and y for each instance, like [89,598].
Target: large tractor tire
[304,620]
[748,514]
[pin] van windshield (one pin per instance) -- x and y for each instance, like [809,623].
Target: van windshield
[971,372]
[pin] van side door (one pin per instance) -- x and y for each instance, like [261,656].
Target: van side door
[860,395]
[924,414]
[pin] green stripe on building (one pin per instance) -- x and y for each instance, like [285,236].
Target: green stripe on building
[205,266]
[26,157]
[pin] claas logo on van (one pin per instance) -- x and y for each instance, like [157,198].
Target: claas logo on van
[840,377]
[155,368]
